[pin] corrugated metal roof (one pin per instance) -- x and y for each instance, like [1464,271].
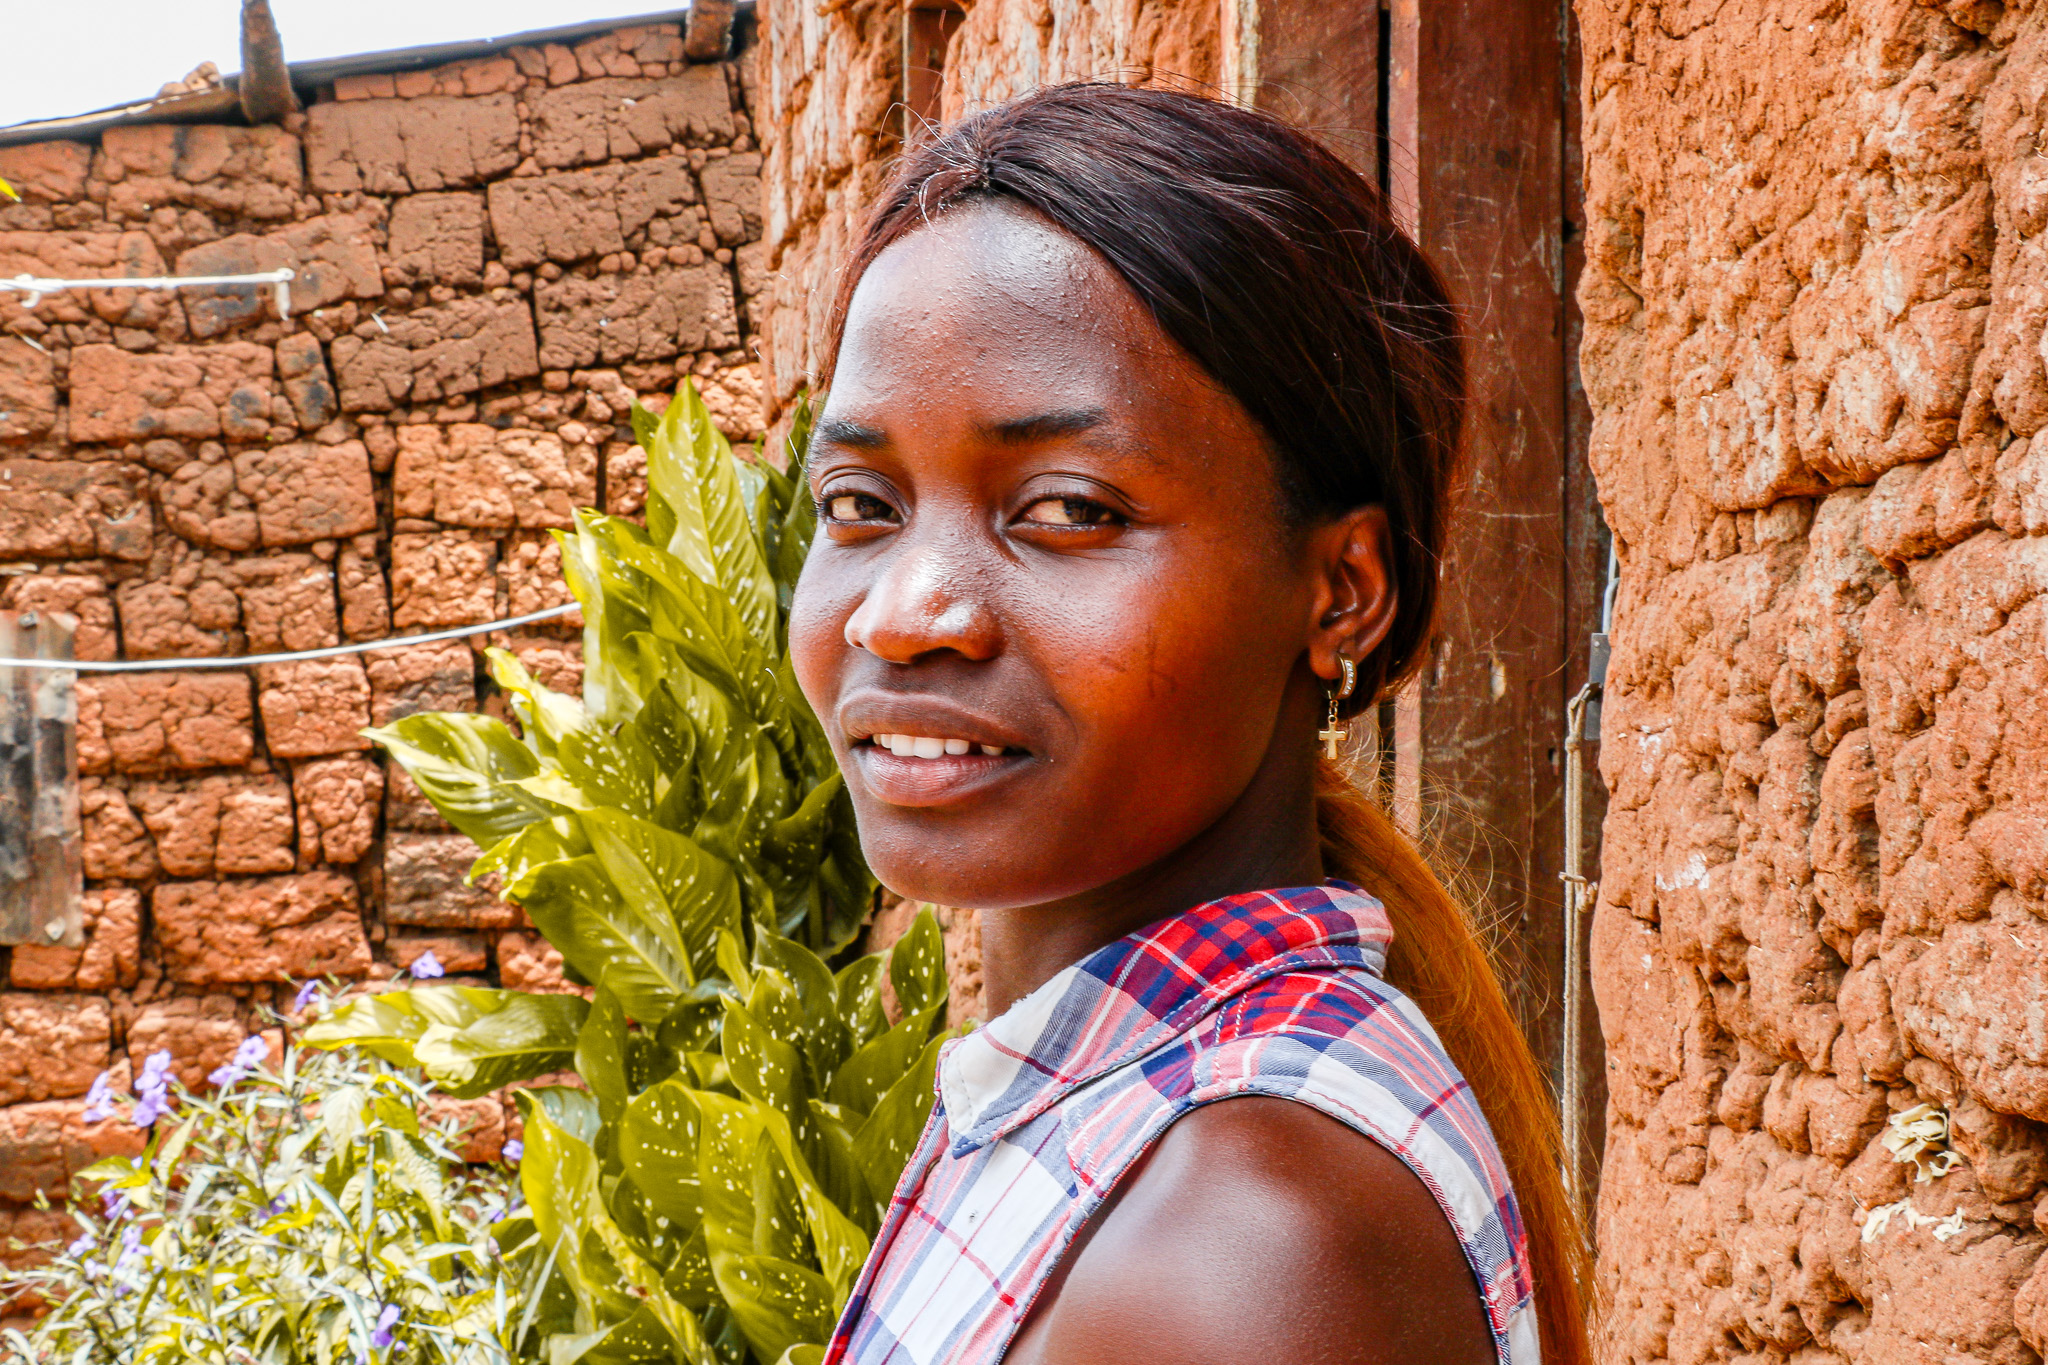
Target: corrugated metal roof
[213,106]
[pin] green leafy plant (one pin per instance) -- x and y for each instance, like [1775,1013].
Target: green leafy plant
[682,835]
[308,1214]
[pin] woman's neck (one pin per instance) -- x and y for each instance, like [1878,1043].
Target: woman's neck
[1267,838]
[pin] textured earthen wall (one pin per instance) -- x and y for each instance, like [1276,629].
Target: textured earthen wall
[1815,289]
[830,88]
[494,259]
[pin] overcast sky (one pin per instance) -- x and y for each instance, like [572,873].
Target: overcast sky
[69,56]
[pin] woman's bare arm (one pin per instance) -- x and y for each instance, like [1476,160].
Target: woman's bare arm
[1261,1232]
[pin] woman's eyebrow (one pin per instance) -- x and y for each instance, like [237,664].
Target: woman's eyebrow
[1045,426]
[841,431]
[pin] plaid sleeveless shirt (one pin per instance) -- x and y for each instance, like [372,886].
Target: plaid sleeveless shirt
[1039,1114]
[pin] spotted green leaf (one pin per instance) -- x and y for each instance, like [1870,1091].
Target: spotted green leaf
[463,764]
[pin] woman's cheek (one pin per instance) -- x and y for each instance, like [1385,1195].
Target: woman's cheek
[817,640]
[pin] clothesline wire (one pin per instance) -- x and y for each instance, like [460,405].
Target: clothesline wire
[294,656]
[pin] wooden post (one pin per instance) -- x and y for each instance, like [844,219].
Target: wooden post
[1480,116]
[265,85]
[928,26]
[41,869]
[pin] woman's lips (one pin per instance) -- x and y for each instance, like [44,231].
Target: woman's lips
[911,781]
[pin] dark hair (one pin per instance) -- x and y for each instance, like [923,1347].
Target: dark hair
[1274,265]
[1282,272]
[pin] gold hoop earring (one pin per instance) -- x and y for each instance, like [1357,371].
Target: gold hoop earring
[1335,731]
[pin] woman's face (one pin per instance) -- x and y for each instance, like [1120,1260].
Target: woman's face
[1054,615]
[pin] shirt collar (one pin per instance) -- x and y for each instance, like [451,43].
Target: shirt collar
[1143,991]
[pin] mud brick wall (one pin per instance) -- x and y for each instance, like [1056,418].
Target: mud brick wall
[1815,289]
[495,259]
[830,101]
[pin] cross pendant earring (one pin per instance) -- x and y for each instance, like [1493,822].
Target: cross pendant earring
[1335,731]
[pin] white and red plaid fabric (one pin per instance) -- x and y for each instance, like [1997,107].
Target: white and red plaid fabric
[1039,1114]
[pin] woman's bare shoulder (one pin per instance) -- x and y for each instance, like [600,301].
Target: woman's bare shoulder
[1259,1231]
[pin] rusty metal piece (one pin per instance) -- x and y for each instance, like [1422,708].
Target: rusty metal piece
[41,852]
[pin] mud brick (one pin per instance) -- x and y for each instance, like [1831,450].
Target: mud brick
[111,954]
[203,504]
[530,570]
[70,509]
[200,1032]
[457,953]
[438,238]
[437,677]
[555,663]
[314,707]
[479,1124]
[231,172]
[578,215]
[333,256]
[424,884]
[44,1147]
[650,314]
[86,256]
[228,823]
[337,800]
[438,352]
[47,172]
[277,929]
[528,962]
[305,491]
[287,603]
[182,391]
[51,1045]
[365,602]
[597,120]
[187,615]
[441,579]
[732,192]
[406,807]
[148,722]
[399,146]
[28,391]
[471,474]
[117,843]
[302,374]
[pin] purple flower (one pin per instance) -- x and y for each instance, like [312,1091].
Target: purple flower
[515,1150]
[252,1051]
[152,1091]
[79,1247]
[426,965]
[131,1246]
[113,1204]
[99,1101]
[305,996]
[386,1320]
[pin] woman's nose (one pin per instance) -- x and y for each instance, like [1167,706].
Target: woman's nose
[928,598]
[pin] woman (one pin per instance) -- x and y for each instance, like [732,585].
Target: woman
[1133,480]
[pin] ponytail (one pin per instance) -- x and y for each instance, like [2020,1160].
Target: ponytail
[1438,961]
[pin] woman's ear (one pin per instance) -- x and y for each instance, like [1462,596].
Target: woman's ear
[1355,596]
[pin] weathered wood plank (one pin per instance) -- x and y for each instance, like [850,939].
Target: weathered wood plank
[41,864]
[1478,121]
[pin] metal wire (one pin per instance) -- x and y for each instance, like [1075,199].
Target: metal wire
[248,660]
[34,287]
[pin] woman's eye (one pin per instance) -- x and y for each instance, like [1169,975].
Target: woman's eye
[1069,512]
[855,507]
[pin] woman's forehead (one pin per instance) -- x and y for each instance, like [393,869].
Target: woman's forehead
[994,282]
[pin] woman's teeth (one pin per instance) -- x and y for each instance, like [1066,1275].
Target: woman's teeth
[924,746]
